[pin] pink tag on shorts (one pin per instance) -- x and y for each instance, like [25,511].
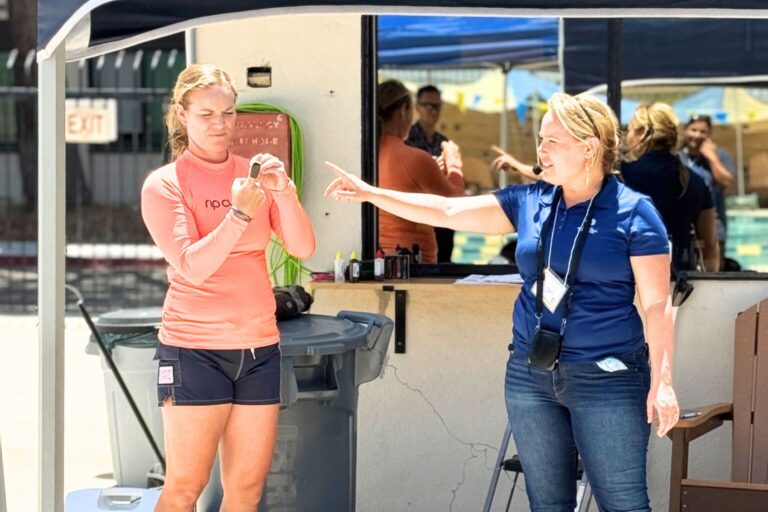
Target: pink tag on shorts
[165,375]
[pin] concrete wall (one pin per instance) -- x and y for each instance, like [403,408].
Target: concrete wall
[430,427]
[316,75]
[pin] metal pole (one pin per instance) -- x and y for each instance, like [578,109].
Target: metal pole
[369,146]
[613,65]
[190,45]
[50,264]
[504,123]
[740,158]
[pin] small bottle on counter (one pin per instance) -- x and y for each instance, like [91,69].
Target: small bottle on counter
[354,268]
[378,265]
[416,253]
[338,268]
[404,263]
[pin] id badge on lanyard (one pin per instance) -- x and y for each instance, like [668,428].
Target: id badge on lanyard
[554,290]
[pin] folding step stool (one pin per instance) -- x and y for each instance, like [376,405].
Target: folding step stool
[583,493]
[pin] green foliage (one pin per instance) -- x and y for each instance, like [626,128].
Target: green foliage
[284,269]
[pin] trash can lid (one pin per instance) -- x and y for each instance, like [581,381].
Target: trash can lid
[130,320]
[311,334]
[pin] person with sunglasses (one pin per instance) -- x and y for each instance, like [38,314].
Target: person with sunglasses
[578,380]
[715,165]
[424,135]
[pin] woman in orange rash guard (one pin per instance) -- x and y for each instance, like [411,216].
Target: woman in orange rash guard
[219,360]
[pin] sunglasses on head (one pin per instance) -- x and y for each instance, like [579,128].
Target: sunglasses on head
[700,117]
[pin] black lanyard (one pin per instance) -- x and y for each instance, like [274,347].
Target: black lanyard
[578,247]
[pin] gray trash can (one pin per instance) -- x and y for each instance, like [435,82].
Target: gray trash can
[325,360]
[131,336]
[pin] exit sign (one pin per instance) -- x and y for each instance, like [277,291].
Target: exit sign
[91,121]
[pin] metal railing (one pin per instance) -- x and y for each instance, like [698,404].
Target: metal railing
[110,256]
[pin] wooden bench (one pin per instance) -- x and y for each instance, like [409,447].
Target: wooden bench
[748,489]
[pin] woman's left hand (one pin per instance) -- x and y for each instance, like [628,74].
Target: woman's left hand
[663,401]
[272,175]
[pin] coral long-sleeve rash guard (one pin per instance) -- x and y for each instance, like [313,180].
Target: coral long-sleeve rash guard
[219,294]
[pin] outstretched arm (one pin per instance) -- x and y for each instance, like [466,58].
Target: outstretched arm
[506,162]
[480,214]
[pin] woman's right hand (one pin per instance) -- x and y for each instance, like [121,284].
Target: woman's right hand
[247,195]
[347,187]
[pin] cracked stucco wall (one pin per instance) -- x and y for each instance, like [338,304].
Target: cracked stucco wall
[428,429]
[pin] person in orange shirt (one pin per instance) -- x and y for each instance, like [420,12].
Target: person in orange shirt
[408,169]
[219,360]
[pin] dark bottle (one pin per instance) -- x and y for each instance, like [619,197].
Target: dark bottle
[354,268]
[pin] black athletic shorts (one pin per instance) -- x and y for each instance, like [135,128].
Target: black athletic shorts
[207,377]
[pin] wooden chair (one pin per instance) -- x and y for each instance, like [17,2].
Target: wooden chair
[748,489]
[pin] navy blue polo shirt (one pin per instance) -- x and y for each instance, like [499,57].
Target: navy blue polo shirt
[603,320]
[656,174]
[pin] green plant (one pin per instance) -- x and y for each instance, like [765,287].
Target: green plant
[284,269]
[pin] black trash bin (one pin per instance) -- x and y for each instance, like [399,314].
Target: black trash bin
[325,360]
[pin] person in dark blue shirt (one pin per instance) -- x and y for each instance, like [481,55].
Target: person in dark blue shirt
[424,135]
[700,154]
[586,243]
[681,196]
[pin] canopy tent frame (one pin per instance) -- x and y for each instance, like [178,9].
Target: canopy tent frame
[51,59]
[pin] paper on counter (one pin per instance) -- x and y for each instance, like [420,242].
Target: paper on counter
[483,279]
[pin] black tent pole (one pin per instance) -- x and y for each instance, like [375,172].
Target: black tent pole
[613,67]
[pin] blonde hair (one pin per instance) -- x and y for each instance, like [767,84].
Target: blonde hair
[193,77]
[660,124]
[585,117]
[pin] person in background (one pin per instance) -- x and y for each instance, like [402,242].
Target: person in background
[218,359]
[586,243]
[424,135]
[715,165]
[681,196]
[404,168]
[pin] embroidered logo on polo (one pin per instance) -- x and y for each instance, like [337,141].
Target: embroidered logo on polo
[592,228]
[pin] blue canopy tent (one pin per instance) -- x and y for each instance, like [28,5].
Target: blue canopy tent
[664,51]
[451,42]
[73,29]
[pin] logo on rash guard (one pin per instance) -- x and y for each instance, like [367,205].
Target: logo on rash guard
[215,203]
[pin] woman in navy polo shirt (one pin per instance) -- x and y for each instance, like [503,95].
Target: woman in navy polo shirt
[598,398]
[681,196]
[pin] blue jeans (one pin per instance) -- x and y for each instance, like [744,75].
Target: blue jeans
[581,409]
